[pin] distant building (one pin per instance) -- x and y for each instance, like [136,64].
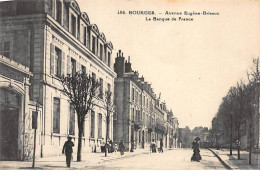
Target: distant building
[140,117]
[40,42]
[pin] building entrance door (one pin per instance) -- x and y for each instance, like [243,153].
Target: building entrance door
[9,115]
[8,133]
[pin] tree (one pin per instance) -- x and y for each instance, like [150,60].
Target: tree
[241,111]
[253,94]
[81,89]
[229,110]
[109,107]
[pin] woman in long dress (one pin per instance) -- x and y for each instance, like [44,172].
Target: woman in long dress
[196,151]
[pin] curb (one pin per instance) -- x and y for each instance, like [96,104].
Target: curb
[222,162]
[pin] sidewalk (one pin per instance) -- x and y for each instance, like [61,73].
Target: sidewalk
[231,161]
[59,162]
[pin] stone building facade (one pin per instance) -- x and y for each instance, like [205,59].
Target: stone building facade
[140,117]
[53,38]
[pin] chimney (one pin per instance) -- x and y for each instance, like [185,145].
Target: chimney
[128,67]
[141,79]
[119,65]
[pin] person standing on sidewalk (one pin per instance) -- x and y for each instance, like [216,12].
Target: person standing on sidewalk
[121,147]
[67,147]
[102,145]
[161,146]
[153,147]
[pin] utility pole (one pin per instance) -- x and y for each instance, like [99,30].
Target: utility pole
[34,126]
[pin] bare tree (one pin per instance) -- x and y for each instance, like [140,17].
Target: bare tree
[253,94]
[241,113]
[109,108]
[81,89]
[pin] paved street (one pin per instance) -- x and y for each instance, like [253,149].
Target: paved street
[178,159]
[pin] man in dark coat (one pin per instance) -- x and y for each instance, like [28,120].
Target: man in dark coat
[121,147]
[67,147]
[161,146]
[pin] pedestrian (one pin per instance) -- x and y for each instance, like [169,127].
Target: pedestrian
[111,146]
[153,147]
[102,145]
[196,151]
[67,148]
[121,147]
[116,148]
[161,146]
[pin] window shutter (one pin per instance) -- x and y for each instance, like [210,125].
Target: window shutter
[52,58]
[68,65]
[63,64]
[78,67]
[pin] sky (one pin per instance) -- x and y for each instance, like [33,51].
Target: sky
[192,63]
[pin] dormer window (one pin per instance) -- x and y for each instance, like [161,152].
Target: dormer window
[73,25]
[85,36]
[101,51]
[94,44]
[58,11]
[109,59]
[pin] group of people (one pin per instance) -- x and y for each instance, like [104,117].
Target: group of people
[68,150]
[109,146]
[159,147]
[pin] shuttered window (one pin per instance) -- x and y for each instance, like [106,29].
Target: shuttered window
[57,61]
[92,126]
[99,125]
[56,115]
[72,121]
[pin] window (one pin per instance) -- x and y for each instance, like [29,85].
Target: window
[5,49]
[92,127]
[109,90]
[83,69]
[136,97]
[93,77]
[57,62]
[73,66]
[99,126]
[58,11]
[105,57]
[101,88]
[88,39]
[108,87]
[56,115]
[94,44]
[101,51]
[85,36]
[73,25]
[133,114]
[109,59]
[138,118]
[72,121]
[133,94]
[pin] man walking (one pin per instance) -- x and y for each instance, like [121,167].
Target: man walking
[67,147]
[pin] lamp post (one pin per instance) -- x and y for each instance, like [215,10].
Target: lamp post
[34,126]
